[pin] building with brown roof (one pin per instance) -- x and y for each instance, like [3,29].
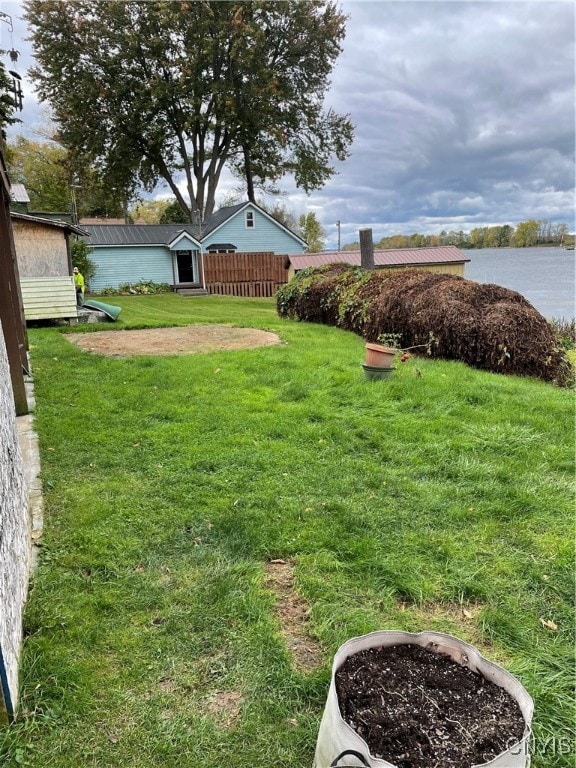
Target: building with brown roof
[446,259]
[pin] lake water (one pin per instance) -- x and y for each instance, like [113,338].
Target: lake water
[545,276]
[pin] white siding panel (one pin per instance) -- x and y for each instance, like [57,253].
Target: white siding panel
[265,236]
[47,298]
[130,264]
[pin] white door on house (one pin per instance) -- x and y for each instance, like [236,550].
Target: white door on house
[187,266]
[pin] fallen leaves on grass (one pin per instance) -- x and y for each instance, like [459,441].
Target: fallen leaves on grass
[549,624]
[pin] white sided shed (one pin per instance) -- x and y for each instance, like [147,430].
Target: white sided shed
[44,266]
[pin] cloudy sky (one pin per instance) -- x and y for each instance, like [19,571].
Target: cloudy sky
[464,115]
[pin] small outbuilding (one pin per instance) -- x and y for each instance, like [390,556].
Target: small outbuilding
[45,268]
[445,259]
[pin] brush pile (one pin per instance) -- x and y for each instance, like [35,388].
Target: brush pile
[486,326]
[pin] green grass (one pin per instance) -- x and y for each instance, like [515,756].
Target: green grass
[169,481]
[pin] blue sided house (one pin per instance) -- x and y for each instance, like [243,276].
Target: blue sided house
[176,253]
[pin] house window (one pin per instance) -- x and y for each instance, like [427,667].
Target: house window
[221,248]
[250,223]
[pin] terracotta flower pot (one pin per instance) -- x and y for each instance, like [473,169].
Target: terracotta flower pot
[378,356]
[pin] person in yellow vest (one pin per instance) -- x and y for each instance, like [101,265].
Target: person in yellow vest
[79,284]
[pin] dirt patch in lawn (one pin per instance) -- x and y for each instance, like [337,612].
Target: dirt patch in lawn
[292,612]
[225,707]
[188,340]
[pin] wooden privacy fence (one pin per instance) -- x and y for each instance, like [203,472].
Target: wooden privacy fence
[245,274]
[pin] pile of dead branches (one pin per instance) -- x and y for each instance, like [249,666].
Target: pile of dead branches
[486,326]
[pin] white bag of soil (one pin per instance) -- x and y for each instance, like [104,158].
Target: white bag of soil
[340,745]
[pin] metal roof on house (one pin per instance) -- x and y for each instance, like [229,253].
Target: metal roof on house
[155,234]
[137,234]
[18,193]
[163,234]
[385,258]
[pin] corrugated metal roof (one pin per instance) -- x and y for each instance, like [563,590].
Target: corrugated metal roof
[384,258]
[163,234]
[153,234]
[137,234]
[18,193]
[156,234]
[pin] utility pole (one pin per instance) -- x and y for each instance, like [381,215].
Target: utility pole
[338,225]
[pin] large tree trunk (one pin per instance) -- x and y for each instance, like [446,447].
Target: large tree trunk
[248,172]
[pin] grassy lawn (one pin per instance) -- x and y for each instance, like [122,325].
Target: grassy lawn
[442,498]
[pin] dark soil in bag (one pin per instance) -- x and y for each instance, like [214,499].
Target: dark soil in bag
[418,709]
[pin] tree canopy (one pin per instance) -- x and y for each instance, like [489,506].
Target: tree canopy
[313,232]
[7,101]
[148,211]
[526,233]
[45,169]
[193,87]
[173,214]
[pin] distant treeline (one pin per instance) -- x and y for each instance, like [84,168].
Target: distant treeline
[524,235]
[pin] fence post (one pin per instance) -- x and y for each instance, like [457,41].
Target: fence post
[366,249]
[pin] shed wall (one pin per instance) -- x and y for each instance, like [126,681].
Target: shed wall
[456,268]
[48,298]
[441,269]
[14,535]
[41,250]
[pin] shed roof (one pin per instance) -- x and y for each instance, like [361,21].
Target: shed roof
[65,225]
[18,193]
[413,257]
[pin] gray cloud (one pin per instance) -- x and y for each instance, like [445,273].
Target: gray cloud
[464,116]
